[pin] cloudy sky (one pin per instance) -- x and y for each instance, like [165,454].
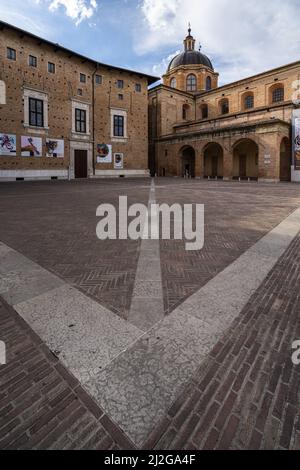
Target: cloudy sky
[241,37]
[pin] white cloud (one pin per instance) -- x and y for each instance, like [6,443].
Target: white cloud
[77,10]
[160,68]
[241,38]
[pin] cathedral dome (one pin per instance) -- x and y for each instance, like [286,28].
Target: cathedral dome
[190,58]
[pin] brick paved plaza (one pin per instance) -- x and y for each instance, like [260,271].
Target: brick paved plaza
[128,344]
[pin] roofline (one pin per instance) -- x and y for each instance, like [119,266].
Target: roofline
[150,78]
[252,77]
[173,90]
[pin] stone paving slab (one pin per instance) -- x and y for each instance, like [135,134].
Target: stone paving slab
[85,335]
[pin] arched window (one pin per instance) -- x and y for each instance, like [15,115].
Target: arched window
[278,94]
[204,111]
[224,106]
[191,83]
[208,83]
[173,82]
[249,101]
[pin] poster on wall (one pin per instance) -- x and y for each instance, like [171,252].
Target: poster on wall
[118,160]
[31,146]
[54,148]
[297,143]
[104,153]
[8,144]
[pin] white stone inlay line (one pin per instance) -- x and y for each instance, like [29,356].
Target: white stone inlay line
[139,386]
[147,305]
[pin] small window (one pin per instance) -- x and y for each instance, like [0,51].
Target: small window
[224,106]
[51,67]
[191,83]
[204,111]
[79,91]
[82,78]
[11,53]
[173,83]
[32,61]
[185,109]
[208,83]
[138,87]
[118,126]
[278,95]
[120,97]
[36,112]
[98,79]
[120,83]
[80,120]
[249,102]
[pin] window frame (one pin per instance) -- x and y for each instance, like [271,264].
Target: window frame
[118,125]
[246,102]
[34,113]
[173,82]
[80,120]
[138,87]
[100,79]
[208,80]
[11,53]
[51,67]
[120,83]
[204,115]
[275,94]
[82,78]
[32,63]
[191,82]
[224,107]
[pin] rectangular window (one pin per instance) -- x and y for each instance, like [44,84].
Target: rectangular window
[51,67]
[98,79]
[80,120]
[118,126]
[32,60]
[79,91]
[82,78]
[120,96]
[11,53]
[120,83]
[36,112]
[138,87]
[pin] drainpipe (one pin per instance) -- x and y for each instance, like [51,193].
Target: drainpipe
[93,115]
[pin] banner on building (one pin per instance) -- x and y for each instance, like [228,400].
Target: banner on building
[54,148]
[31,146]
[104,153]
[296,139]
[8,144]
[118,160]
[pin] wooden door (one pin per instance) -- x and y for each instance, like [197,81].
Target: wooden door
[243,166]
[80,163]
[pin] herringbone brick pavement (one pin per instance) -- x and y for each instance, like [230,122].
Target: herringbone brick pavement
[245,395]
[42,406]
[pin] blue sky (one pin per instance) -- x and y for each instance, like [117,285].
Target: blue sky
[241,38]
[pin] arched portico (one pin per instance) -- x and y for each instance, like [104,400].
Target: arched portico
[213,160]
[187,157]
[245,159]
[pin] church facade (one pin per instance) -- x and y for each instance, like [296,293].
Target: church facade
[240,131]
